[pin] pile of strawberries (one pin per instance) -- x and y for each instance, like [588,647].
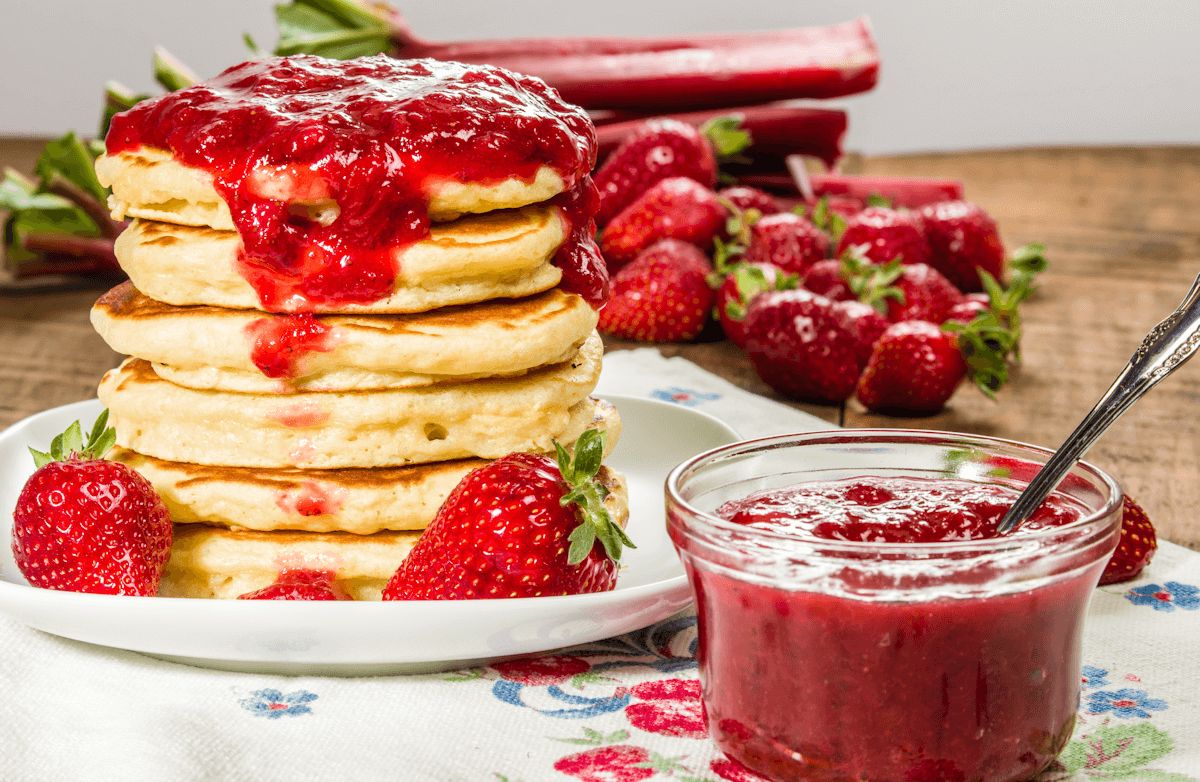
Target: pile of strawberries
[830,298]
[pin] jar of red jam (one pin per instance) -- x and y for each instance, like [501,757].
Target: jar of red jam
[859,618]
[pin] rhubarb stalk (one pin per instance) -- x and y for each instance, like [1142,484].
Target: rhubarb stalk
[644,74]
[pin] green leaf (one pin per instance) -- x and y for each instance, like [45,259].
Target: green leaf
[1030,259]
[170,73]
[727,136]
[874,199]
[251,44]
[341,29]
[72,439]
[589,451]
[564,463]
[582,538]
[70,158]
[99,427]
[118,98]
[40,458]
[18,193]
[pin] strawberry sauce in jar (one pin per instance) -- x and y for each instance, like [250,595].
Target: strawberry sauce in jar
[859,619]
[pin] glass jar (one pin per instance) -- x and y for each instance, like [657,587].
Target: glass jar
[927,662]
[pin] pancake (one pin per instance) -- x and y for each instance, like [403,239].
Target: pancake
[506,254]
[361,501]
[214,562]
[482,418]
[211,348]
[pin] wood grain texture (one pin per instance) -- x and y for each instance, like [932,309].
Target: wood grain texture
[1124,244]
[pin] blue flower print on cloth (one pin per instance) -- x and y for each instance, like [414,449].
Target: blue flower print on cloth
[1093,678]
[1125,703]
[683,396]
[1166,597]
[273,704]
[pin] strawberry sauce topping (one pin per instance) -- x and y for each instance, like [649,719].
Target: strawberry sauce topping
[894,510]
[278,344]
[327,165]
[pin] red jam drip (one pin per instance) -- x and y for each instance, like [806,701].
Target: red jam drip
[311,499]
[894,510]
[279,343]
[287,138]
[584,271]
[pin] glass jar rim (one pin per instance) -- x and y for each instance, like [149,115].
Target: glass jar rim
[714,523]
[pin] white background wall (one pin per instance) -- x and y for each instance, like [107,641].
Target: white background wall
[956,73]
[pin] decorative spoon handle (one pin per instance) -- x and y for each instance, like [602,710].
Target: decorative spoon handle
[1164,349]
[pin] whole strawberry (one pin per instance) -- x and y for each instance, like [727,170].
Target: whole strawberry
[1136,547]
[924,294]
[916,366]
[660,149]
[788,241]
[865,323]
[84,524]
[299,585]
[801,347]
[963,239]
[663,296]
[675,208]
[965,311]
[914,369]
[740,287]
[744,199]
[825,277]
[882,234]
[522,526]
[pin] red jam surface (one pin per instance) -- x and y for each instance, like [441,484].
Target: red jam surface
[808,685]
[278,344]
[287,138]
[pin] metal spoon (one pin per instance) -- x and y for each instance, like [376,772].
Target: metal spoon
[1163,350]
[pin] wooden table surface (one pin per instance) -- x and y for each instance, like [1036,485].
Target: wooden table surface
[1123,239]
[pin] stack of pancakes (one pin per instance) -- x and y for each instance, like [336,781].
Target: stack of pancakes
[328,441]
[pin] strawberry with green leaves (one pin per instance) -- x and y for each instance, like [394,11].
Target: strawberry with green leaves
[916,366]
[86,524]
[663,296]
[660,149]
[525,525]
[740,286]
[675,208]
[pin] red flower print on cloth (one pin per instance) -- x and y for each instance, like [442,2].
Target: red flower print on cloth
[668,707]
[541,671]
[621,763]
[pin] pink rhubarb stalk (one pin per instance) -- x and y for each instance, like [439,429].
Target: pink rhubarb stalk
[692,72]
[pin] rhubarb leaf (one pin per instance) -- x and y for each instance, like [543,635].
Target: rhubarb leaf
[118,98]
[341,29]
[32,212]
[69,158]
[170,73]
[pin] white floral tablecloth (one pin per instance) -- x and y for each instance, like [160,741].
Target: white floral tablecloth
[623,710]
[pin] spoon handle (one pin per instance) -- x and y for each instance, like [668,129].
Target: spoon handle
[1168,345]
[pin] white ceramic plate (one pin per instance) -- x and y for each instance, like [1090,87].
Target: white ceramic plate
[367,638]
